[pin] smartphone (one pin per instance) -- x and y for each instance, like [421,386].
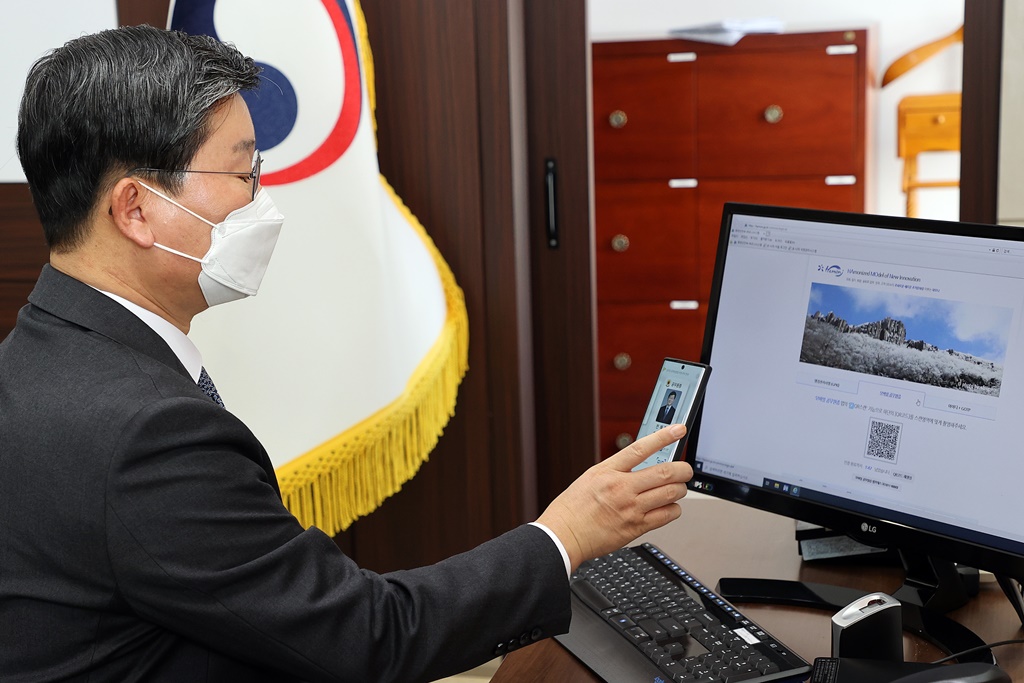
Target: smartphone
[676,397]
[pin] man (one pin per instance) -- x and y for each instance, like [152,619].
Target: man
[142,536]
[668,410]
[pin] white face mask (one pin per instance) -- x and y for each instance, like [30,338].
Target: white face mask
[240,248]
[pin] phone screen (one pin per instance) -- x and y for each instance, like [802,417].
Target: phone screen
[675,399]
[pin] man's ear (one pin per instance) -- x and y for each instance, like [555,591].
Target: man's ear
[127,212]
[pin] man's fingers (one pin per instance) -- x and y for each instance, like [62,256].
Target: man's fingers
[654,498]
[641,449]
[659,517]
[656,486]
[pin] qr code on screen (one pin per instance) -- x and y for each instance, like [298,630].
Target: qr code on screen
[884,440]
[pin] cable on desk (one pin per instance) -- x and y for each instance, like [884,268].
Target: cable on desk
[978,649]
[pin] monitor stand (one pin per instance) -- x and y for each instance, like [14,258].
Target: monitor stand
[931,588]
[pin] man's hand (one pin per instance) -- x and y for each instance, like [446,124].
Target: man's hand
[610,505]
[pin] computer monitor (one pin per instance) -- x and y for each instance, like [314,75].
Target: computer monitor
[869,377]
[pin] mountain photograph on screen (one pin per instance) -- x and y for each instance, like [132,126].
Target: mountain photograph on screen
[942,343]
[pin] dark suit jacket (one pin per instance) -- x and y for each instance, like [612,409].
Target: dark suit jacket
[142,535]
[666,413]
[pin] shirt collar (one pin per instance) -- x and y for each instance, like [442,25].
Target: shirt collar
[179,342]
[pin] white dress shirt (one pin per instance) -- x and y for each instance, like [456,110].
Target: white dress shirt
[179,342]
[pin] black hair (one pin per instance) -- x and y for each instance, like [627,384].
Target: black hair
[107,103]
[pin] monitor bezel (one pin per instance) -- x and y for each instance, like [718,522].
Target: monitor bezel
[870,529]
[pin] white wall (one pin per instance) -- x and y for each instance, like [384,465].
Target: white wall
[1011,135]
[896,27]
[28,32]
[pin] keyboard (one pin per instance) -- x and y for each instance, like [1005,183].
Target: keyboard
[680,626]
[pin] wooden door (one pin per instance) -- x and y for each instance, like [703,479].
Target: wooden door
[558,106]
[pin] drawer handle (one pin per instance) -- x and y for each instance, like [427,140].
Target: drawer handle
[773,113]
[620,243]
[623,440]
[833,50]
[940,119]
[622,361]
[617,119]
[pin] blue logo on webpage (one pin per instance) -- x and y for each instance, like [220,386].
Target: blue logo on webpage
[834,269]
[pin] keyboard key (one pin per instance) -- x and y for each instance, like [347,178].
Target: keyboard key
[717,646]
[637,634]
[674,628]
[654,629]
[674,669]
[590,595]
[676,650]
[622,621]
[702,636]
[691,625]
[651,648]
[701,673]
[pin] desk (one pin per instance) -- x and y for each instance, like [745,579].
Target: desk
[733,540]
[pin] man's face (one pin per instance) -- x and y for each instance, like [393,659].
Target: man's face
[229,147]
[671,399]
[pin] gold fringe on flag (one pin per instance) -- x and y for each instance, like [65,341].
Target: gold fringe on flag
[350,475]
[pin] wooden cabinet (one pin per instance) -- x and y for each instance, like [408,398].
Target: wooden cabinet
[23,254]
[680,128]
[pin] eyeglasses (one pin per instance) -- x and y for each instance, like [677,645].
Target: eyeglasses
[253,175]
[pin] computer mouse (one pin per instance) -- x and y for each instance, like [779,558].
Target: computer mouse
[969,672]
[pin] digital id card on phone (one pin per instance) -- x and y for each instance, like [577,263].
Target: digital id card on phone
[676,397]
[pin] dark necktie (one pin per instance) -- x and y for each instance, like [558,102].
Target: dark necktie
[206,384]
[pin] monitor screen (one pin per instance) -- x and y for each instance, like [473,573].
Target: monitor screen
[869,377]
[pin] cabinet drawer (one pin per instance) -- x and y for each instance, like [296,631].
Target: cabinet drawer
[928,123]
[780,112]
[633,339]
[644,118]
[811,193]
[645,242]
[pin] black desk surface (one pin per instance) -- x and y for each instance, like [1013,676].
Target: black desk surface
[733,540]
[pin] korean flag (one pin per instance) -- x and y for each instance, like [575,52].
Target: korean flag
[347,363]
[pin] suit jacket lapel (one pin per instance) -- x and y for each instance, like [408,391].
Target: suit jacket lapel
[78,303]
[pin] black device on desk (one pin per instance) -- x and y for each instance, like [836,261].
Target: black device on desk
[869,377]
[835,670]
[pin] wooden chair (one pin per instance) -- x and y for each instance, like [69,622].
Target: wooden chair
[925,123]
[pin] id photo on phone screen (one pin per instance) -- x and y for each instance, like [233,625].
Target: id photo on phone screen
[667,411]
